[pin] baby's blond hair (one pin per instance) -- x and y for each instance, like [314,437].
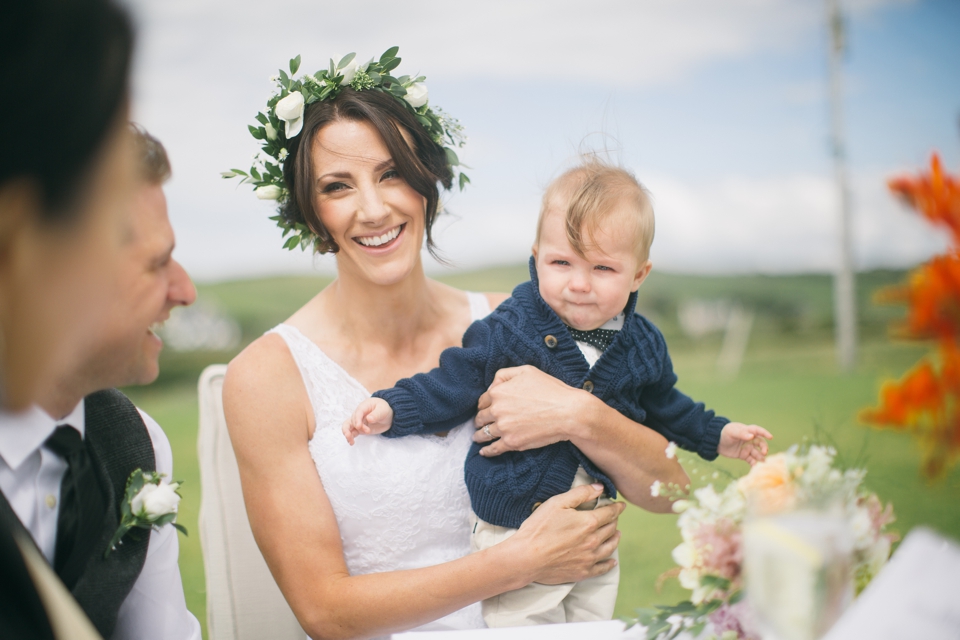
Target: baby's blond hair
[589,193]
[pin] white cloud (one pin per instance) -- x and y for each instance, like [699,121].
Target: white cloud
[781,225]
[735,224]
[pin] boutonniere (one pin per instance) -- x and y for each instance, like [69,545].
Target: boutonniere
[148,503]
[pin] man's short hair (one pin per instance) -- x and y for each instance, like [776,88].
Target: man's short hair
[154,164]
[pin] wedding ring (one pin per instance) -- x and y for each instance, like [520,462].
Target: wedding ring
[486,430]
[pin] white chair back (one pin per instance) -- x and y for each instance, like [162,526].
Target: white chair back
[243,600]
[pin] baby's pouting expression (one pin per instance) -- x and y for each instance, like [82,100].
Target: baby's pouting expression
[586,291]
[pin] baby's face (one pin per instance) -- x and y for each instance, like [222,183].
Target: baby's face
[587,291]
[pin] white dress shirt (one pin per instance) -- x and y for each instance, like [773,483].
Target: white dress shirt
[30,476]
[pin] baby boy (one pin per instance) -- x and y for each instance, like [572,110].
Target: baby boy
[575,320]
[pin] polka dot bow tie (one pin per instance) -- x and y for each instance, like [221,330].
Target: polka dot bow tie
[599,338]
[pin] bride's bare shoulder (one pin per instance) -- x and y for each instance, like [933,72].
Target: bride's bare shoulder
[262,379]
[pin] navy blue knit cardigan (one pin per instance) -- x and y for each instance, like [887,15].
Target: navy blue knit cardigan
[634,376]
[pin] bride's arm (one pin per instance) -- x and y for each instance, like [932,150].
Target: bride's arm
[529,409]
[269,418]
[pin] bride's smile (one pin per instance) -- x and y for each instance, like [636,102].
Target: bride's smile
[381,241]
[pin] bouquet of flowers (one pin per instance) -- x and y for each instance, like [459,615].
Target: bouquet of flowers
[711,523]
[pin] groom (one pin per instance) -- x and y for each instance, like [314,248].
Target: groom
[62,477]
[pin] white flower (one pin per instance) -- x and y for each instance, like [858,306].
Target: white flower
[861,528]
[290,110]
[878,554]
[417,95]
[680,506]
[676,623]
[154,501]
[349,71]
[282,155]
[708,497]
[685,556]
[271,132]
[655,489]
[268,192]
[671,450]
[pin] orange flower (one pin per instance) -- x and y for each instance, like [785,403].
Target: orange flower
[935,195]
[926,401]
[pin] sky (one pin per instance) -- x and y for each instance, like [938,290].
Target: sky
[718,107]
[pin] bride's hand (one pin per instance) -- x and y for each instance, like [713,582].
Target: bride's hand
[569,545]
[527,408]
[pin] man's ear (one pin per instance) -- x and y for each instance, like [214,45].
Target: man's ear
[641,274]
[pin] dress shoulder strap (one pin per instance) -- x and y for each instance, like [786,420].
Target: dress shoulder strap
[479,305]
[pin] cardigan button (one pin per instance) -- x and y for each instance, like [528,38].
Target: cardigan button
[534,507]
[588,386]
[550,341]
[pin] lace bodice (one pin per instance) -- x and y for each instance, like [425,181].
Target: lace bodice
[400,503]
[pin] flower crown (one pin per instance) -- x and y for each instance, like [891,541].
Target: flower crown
[283,121]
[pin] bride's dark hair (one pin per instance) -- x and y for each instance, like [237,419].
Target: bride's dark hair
[423,164]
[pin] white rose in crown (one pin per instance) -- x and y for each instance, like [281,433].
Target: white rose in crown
[156,500]
[290,110]
[417,95]
[349,70]
[268,192]
[271,132]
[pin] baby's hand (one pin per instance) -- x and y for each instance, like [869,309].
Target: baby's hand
[746,442]
[374,415]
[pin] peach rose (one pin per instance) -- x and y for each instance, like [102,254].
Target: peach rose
[769,487]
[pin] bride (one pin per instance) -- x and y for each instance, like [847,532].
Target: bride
[372,539]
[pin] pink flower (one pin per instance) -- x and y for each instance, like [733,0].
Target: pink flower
[718,549]
[879,517]
[734,617]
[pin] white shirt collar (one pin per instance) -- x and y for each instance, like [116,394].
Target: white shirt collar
[23,433]
[615,323]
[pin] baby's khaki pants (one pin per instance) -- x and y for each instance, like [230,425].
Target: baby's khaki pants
[584,601]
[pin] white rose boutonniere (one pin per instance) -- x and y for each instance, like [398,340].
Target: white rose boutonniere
[148,503]
[417,95]
[290,110]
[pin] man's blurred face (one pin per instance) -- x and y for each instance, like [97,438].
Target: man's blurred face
[150,283]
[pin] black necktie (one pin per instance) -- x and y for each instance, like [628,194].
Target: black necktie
[82,506]
[599,338]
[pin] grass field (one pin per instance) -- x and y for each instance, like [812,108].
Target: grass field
[788,383]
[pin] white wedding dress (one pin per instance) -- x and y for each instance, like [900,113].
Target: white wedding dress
[400,503]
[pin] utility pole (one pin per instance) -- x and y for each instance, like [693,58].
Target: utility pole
[844,286]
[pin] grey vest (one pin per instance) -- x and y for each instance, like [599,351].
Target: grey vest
[119,443]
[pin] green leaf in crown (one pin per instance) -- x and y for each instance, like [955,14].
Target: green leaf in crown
[283,120]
